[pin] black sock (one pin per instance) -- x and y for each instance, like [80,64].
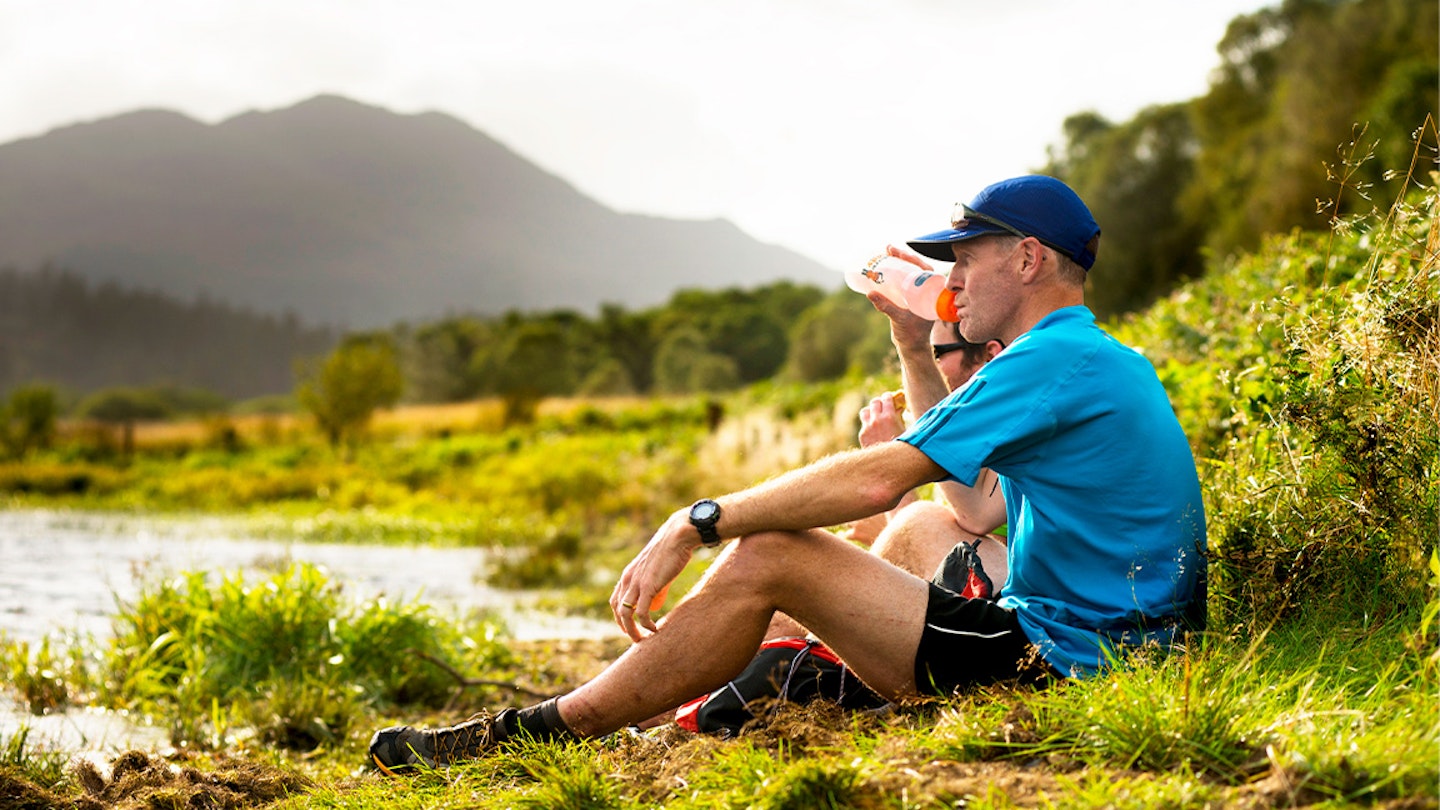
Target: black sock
[541,721]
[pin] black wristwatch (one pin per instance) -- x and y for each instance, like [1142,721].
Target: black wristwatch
[704,514]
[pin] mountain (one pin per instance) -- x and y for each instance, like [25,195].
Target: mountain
[348,214]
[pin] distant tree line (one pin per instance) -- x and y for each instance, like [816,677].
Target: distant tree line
[58,328]
[1251,156]
[699,341]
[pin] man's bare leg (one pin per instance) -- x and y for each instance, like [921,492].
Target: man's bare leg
[920,536]
[916,539]
[782,626]
[868,611]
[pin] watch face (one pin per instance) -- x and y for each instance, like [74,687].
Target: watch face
[704,511]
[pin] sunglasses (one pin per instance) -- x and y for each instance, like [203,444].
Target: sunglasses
[942,349]
[963,215]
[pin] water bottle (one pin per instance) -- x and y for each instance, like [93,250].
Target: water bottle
[923,292]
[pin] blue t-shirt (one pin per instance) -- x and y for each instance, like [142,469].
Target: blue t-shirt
[1107,527]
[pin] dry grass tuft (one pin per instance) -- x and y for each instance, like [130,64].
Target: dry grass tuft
[140,780]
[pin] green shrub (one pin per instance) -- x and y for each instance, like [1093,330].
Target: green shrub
[811,783]
[39,766]
[567,778]
[186,646]
[58,480]
[1307,375]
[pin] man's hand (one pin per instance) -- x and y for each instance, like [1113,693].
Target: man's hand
[645,581]
[880,421]
[907,329]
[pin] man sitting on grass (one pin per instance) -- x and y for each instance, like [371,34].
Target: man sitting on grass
[924,537]
[1106,523]
[918,534]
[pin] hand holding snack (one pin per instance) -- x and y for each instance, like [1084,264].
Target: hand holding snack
[881,420]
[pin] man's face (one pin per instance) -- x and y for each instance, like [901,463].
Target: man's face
[957,367]
[987,280]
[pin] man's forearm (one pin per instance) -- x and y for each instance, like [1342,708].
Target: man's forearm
[834,490]
[924,385]
[979,509]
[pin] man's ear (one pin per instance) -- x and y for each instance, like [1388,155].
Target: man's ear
[992,348]
[1033,258]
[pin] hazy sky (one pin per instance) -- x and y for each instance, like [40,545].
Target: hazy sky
[828,126]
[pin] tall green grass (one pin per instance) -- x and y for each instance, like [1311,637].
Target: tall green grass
[285,654]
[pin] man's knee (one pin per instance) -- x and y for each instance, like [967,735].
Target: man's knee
[761,559]
[930,514]
[918,537]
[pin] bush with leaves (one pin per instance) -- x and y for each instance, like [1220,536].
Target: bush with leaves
[27,419]
[343,390]
[1308,375]
[124,407]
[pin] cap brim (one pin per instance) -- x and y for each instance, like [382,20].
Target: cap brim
[937,245]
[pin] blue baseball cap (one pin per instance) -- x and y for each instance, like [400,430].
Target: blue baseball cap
[1033,205]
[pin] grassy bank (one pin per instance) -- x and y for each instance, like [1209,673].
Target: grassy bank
[1329,708]
[1307,375]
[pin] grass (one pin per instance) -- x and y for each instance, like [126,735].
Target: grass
[1323,708]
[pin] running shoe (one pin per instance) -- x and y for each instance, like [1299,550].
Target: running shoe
[400,749]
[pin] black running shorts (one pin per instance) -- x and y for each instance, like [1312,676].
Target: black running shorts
[972,641]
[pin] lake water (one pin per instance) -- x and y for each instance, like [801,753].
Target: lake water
[62,572]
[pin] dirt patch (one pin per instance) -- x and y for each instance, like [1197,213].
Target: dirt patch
[139,780]
[659,763]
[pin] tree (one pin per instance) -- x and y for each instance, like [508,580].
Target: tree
[630,339]
[531,360]
[438,360]
[683,365]
[1294,82]
[343,391]
[123,407]
[607,377]
[824,339]
[747,326]
[27,422]
[1130,175]
[1257,154]
[189,400]
[711,372]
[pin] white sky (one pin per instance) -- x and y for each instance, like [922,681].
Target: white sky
[828,126]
